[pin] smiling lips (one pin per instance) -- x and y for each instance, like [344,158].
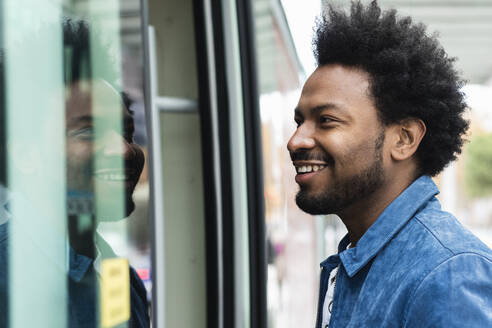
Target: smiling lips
[115,175]
[306,171]
[309,168]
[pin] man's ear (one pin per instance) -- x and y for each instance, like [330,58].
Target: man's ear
[406,135]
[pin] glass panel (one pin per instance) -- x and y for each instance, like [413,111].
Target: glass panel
[74,112]
[35,162]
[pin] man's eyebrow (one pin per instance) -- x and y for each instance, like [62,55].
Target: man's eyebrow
[319,108]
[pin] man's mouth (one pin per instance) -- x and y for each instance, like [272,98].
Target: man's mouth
[306,171]
[302,169]
[114,175]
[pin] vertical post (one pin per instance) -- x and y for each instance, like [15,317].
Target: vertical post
[36,163]
[155,173]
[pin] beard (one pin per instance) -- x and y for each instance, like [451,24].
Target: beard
[112,209]
[345,192]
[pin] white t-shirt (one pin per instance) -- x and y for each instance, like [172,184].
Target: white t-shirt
[330,294]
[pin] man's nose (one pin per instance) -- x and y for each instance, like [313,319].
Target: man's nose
[114,144]
[301,139]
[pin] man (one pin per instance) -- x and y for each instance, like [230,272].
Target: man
[120,163]
[380,115]
[102,159]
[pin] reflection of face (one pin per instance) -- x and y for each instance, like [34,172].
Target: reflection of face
[111,147]
[339,139]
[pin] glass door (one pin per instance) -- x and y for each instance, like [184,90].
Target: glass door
[74,240]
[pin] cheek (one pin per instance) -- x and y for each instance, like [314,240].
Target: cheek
[341,146]
[334,140]
[78,153]
[353,155]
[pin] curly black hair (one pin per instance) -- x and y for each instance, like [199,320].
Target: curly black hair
[79,46]
[410,74]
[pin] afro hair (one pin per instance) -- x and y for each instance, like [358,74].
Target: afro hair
[411,75]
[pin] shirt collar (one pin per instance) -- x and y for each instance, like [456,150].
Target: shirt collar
[103,251]
[387,225]
[80,264]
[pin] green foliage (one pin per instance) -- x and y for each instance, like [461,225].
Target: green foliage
[478,166]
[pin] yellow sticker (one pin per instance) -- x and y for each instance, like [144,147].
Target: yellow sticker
[115,292]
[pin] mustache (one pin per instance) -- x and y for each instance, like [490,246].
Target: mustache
[306,155]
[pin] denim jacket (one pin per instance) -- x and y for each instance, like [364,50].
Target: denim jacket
[416,266]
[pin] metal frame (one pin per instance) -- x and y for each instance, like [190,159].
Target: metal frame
[211,161]
[156,199]
[215,119]
[237,145]
[214,109]
[254,163]
[175,105]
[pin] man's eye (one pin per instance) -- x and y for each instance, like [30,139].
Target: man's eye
[326,119]
[83,133]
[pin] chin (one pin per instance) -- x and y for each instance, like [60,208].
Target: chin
[129,207]
[111,211]
[311,204]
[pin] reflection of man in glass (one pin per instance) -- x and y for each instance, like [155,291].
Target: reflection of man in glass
[106,164]
[102,160]
[112,148]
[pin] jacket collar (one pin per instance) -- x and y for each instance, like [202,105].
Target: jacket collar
[80,264]
[387,225]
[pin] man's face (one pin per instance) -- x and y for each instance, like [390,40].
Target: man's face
[337,148]
[111,158]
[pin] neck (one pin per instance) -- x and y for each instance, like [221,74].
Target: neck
[82,243]
[359,216]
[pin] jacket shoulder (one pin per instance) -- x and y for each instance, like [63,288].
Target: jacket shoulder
[456,293]
[444,231]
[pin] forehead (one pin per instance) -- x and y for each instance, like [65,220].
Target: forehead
[339,85]
[80,98]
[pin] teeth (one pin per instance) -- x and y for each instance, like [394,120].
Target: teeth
[112,176]
[309,168]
